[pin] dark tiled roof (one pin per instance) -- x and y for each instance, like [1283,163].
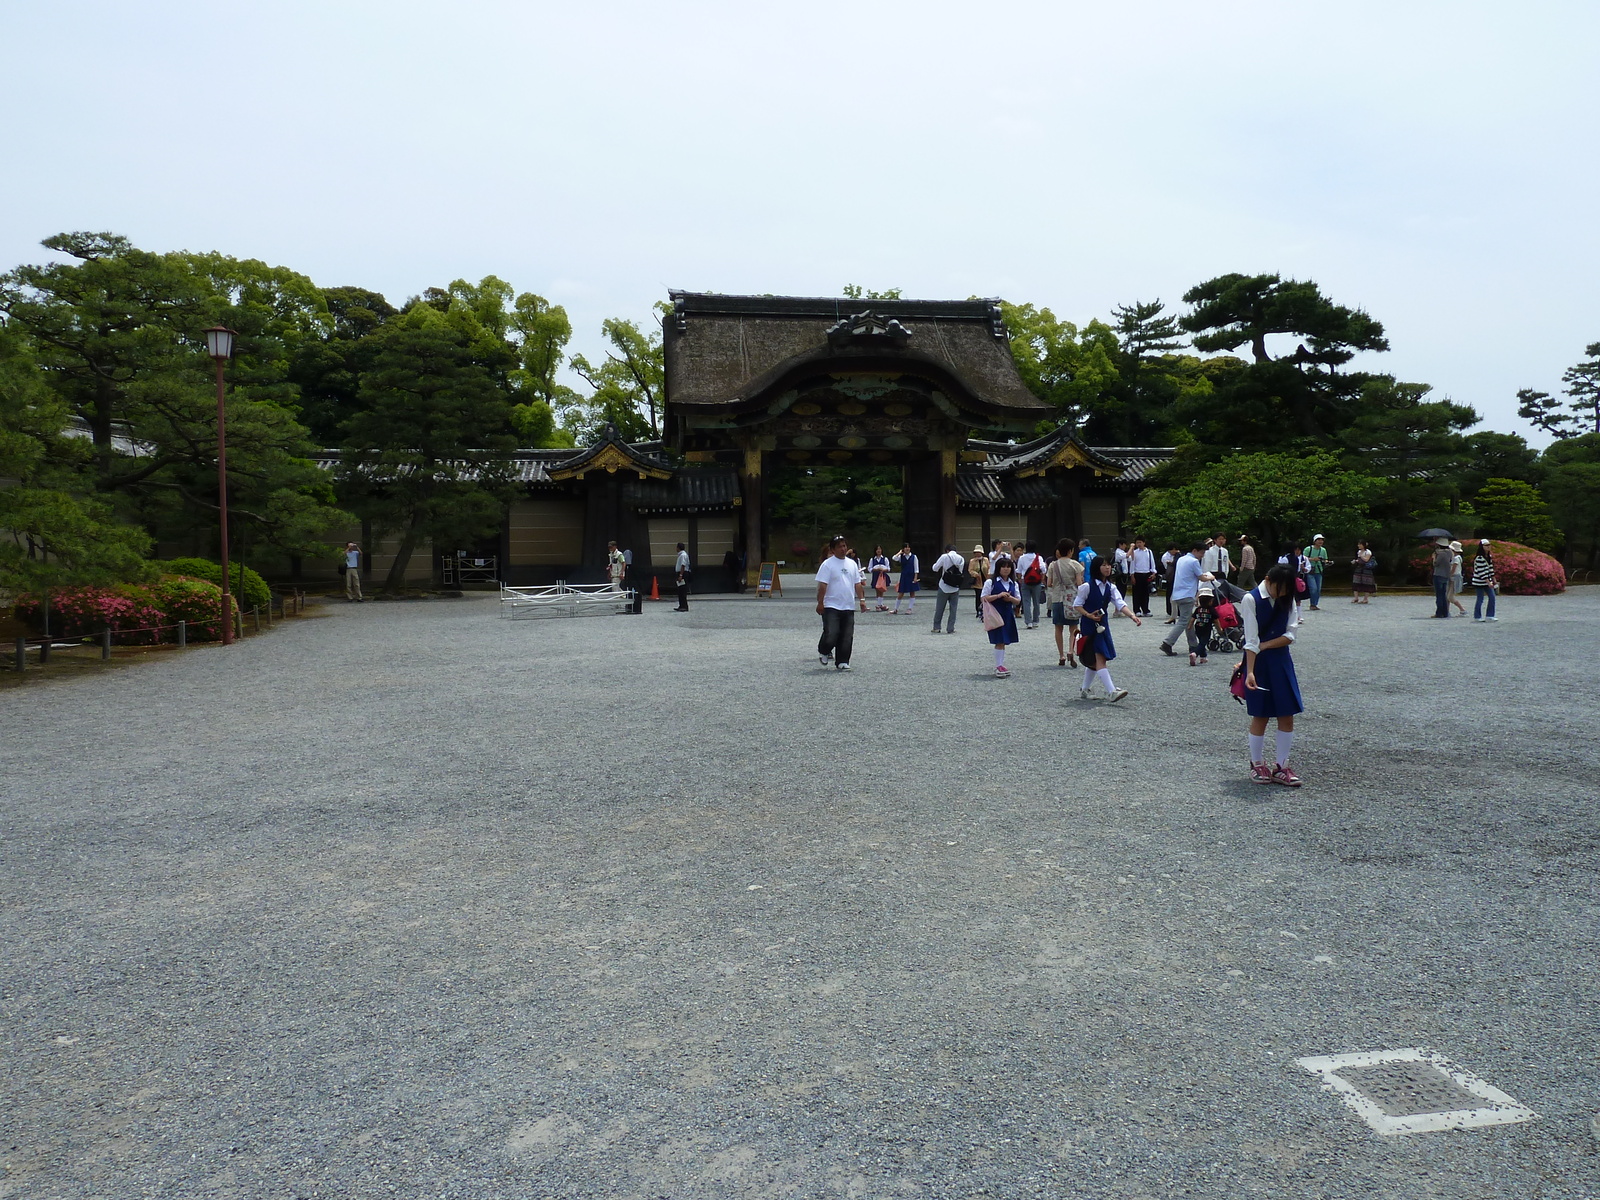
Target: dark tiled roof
[978,488]
[1138,461]
[690,489]
[723,350]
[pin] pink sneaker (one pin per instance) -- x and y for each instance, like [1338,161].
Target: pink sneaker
[1192,657]
[1285,776]
[1260,773]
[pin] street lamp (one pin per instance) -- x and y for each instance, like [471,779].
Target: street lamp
[219,344]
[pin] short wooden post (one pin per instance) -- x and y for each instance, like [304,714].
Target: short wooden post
[183,634]
[105,644]
[255,615]
[44,651]
[22,654]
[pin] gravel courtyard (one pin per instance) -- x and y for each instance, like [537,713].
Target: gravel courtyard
[411,900]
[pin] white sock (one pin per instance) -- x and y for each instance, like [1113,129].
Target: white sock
[1258,747]
[999,656]
[1104,676]
[1088,676]
[911,604]
[1285,740]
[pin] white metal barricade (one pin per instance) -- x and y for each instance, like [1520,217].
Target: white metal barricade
[563,599]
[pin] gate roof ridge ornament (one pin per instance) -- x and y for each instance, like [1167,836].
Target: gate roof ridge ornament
[865,329]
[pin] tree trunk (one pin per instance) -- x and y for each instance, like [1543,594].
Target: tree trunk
[395,579]
[1258,347]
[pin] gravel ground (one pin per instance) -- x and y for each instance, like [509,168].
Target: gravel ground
[410,900]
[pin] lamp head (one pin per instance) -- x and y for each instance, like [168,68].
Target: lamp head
[219,341]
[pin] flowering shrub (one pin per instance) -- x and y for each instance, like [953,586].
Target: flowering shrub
[192,600]
[252,593]
[125,609]
[1522,570]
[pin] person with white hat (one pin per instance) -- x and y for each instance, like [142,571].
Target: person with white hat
[1455,578]
[1317,555]
[979,569]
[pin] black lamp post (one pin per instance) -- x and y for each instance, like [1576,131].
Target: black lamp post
[219,344]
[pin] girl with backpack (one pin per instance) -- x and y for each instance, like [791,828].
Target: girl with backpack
[1271,690]
[1030,571]
[1001,598]
[1096,600]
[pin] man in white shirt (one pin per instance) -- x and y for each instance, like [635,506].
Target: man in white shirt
[1142,566]
[948,593]
[1031,579]
[680,578]
[1216,560]
[837,579]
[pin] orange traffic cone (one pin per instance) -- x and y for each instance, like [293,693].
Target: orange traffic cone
[655,588]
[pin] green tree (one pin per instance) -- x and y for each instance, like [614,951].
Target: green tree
[1583,388]
[49,535]
[1515,511]
[1135,409]
[1275,497]
[1074,370]
[327,369]
[629,386]
[1544,411]
[1571,472]
[428,454]
[854,291]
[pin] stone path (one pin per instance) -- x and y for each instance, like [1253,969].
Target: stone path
[410,900]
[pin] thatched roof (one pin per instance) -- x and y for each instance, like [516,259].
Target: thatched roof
[732,353]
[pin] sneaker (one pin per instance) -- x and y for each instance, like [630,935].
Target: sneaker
[1166,649]
[1193,658]
[1083,693]
[1003,672]
[842,666]
[1285,776]
[1491,618]
[824,660]
[1477,620]
[1260,773]
[1204,661]
[1119,694]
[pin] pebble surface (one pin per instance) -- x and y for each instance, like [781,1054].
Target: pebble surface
[410,900]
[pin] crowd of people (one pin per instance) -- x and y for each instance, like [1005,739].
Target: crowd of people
[1213,601]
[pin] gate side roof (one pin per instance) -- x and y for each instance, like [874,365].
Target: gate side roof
[723,350]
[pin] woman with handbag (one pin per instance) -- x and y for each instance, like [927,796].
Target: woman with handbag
[1096,600]
[1271,689]
[1001,596]
[1363,575]
[1060,586]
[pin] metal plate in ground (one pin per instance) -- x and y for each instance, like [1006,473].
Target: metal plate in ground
[1414,1091]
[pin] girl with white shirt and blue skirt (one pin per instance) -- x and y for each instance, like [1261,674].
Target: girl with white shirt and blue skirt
[1271,690]
[1002,596]
[1096,600]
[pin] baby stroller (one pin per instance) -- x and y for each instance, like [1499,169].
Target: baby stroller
[1227,628]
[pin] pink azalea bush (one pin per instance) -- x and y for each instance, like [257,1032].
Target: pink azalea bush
[1522,570]
[136,615]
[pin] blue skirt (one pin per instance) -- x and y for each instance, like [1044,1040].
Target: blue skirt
[1005,635]
[1099,643]
[1275,674]
[908,582]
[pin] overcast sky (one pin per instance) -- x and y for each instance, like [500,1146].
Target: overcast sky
[1432,163]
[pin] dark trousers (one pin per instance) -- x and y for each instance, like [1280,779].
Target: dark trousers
[838,633]
[1441,595]
[1141,593]
[683,594]
[977,601]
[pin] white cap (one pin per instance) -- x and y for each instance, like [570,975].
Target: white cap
[1317,537]
[1483,541]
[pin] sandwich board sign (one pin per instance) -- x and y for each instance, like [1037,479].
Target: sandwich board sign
[768,582]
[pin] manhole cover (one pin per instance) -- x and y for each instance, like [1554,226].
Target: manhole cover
[1414,1091]
[1404,1089]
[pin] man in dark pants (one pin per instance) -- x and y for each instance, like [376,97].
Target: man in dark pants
[680,578]
[1443,567]
[837,578]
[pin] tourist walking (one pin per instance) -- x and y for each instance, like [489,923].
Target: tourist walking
[1316,557]
[1030,573]
[1271,690]
[1001,598]
[908,586]
[878,568]
[1203,620]
[837,581]
[949,569]
[1456,578]
[1096,600]
[1062,580]
[979,569]
[680,577]
[616,566]
[1142,566]
[1086,554]
[1169,562]
[1119,567]
[1443,565]
[1246,578]
[1484,581]
[1185,585]
[1363,575]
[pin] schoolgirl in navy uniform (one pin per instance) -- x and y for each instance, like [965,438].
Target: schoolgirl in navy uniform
[1271,690]
[1096,600]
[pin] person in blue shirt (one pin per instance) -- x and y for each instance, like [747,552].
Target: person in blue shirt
[1086,554]
[1185,585]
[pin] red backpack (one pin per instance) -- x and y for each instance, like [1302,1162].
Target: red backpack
[1035,572]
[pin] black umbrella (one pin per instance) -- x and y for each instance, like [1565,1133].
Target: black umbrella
[1428,535]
